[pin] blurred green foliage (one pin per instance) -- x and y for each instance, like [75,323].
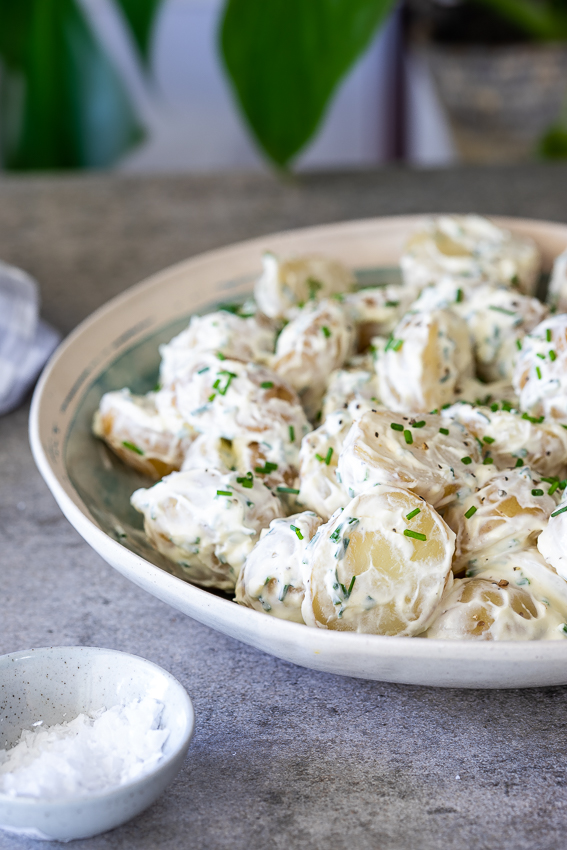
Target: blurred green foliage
[63,104]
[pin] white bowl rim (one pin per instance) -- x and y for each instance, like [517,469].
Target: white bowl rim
[132,784]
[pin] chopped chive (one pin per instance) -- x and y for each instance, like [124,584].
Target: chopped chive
[553,488]
[396,427]
[417,535]
[494,407]
[471,512]
[552,355]
[282,596]
[408,437]
[418,424]
[267,468]
[392,304]
[501,310]
[519,462]
[537,492]
[351,585]
[519,344]
[313,286]
[246,480]
[507,406]
[224,493]
[133,448]
[326,331]
[535,419]
[292,434]
[548,334]
[336,533]
[560,511]
[487,461]
[466,460]
[488,440]
[551,480]
[444,431]
[216,384]
[413,513]
[538,372]
[445,406]
[562,485]
[297,532]
[267,385]
[397,344]
[204,369]
[459,296]
[540,355]
[290,490]
[212,396]
[230,376]
[329,455]
[220,355]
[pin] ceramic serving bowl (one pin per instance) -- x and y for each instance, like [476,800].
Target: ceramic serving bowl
[56,684]
[118,347]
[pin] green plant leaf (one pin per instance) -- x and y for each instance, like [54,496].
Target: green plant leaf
[140,16]
[62,103]
[286,57]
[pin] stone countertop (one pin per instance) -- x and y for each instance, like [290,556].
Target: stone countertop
[282,757]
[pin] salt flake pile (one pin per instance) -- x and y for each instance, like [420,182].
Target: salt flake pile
[87,755]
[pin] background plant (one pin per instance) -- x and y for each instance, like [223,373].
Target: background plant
[63,104]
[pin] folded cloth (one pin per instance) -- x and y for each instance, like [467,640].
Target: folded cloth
[25,340]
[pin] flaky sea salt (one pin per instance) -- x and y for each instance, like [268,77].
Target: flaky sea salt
[86,755]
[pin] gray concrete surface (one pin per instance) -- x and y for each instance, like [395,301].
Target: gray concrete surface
[282,757]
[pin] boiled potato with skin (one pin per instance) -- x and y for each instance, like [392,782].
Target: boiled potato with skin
[272,577]
[375,311]
[285,286]
[540,375]
[319,340]
[349,384]
[428,355]
[470,248]
[206,521]
[551,541]
[424,453]
[512,439]
[250,338]
[380,566]
[515,597]
[134,429]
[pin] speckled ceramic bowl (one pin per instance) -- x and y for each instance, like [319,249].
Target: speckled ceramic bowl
[118,347]
[55,684]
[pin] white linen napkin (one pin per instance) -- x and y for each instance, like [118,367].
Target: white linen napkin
[25,340]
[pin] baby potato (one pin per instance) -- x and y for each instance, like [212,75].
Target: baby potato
[551,541]
[247,404]
[508,512]
[380,566]
[285,286]
[375,311]
[515,597]
[557,290]
[513,439]
[206,521]
[470,247]
[497,319]
[319,340]
[133,428]
[272,577]
[349,384]
[250,338]
[424,453]
[427,356]
[540,375]
[208,452]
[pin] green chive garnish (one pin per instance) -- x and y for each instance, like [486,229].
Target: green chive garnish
[471,512]
[538,372]
[397,344]
[519,344]
[224,493]
[501,310]
[132,447]
[408,437]
[212,396]
[329,455]
[488,440]
[560,511]
[326,331]
[395,427]
[552,355]
[444,431]
[216,384]
[267,468]
[290,490]
[519,462]
[246,480]
[292,434]
[418,424]
[413,513]
[220,355]
[553,488]
[351,585]
[540,355]
[297,531]
[459,296]
[466,460]
[267,385]
[487,461]
[548,334]
[204,369]
[537,492]
[494,407]
[417,535]
[392,304]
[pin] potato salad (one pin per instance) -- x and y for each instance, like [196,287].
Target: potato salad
[387,460]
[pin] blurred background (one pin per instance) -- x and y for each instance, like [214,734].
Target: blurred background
[212,85]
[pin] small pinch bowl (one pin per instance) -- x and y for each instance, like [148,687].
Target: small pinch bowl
[55,684]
